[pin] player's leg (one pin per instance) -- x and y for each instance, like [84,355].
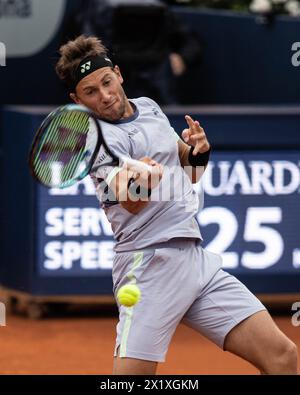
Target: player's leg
[130,366]
[228,314]
[168,285]
[258,340]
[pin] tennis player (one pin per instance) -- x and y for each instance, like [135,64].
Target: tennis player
[158,242]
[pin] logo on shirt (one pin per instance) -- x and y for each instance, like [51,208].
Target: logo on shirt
[133,132]
[102,159]
[155,111]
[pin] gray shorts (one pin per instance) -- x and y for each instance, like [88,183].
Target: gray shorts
[179,281]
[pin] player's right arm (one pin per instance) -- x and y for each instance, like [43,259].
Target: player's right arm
[133,190]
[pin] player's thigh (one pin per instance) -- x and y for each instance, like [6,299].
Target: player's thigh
[258,340]
[221,306]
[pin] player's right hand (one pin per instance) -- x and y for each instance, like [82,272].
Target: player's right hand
[150,179]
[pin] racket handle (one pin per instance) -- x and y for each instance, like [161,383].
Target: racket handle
[136,165]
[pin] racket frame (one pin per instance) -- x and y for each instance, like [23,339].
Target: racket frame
[138,165]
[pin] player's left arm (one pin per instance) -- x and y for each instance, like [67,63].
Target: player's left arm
[194,150]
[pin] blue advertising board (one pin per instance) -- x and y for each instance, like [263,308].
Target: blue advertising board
[251,217]
[59,242]
[74,237]
[252,213]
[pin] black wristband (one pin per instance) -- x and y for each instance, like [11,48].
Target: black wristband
[201,159]
[137,190]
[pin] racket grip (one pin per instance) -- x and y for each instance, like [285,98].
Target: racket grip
[136,165]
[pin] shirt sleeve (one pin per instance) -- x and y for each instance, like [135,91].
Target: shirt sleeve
[172,130]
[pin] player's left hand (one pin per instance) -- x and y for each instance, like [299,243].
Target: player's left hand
[195,136]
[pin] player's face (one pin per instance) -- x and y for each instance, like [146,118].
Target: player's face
[102,92]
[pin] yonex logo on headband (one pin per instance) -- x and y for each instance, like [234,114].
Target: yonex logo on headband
[86,67]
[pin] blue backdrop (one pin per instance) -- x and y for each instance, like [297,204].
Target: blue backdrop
[243,62]
[59,242]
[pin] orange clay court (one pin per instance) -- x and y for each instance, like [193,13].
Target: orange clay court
[82,342]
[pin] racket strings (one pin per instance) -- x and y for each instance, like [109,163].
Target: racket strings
[61,149]
[47,151]
[75,153]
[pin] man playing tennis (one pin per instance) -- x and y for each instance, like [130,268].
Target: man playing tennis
[158,240]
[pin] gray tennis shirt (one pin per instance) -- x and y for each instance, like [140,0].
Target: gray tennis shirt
[173,204]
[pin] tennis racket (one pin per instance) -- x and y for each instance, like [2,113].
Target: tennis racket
[66,146]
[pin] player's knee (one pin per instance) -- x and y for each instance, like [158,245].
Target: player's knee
[291,357]
[284,359]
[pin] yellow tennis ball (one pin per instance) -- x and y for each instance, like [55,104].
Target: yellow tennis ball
[128,295]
